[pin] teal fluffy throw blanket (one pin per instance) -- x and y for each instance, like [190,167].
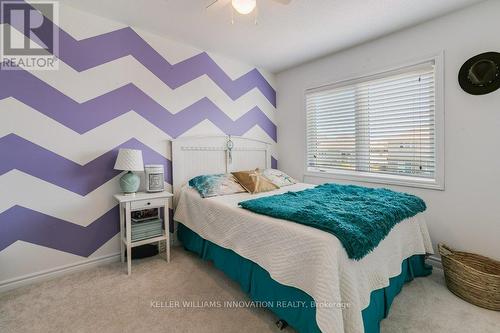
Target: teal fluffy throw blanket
[360,217]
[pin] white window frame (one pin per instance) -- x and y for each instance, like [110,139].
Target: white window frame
[438,183]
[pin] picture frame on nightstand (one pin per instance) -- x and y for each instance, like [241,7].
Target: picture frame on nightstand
[155,177]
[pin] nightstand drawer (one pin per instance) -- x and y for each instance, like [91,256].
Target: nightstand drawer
[145,204]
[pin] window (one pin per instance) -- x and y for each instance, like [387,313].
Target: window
[380,128]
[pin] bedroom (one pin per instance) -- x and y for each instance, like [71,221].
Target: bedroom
[101,95]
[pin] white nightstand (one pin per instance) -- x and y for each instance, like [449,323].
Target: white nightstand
[140,201]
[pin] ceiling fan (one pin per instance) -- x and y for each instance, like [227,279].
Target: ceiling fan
[243,7]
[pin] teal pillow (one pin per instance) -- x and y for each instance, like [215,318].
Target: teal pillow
[214,185]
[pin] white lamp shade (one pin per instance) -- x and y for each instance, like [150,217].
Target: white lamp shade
[129,160]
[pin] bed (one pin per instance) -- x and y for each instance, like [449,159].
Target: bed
[301,273]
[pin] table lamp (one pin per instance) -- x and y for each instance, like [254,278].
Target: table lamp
[129,160]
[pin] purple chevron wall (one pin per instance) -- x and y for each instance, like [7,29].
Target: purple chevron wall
[42,163]
[86,116]
[19,223]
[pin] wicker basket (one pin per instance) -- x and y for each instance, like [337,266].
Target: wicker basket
[472,277]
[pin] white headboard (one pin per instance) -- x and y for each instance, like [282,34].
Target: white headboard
[194,156]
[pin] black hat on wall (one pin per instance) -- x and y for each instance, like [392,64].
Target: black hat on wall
[480,74]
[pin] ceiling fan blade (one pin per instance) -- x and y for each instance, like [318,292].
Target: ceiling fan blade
[216,3]
[213,2]
[283,2]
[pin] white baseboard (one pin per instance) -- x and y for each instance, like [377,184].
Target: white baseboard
[435,261]
[57,271]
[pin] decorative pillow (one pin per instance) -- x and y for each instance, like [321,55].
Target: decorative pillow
[254,182]
[278,178]
[214,185]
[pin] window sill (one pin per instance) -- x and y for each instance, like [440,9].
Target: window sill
[378,179]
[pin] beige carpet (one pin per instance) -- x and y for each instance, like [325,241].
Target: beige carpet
[104,299]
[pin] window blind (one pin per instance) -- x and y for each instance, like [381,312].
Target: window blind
[379,125]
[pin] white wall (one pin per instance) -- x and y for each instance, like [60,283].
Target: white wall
[466,215]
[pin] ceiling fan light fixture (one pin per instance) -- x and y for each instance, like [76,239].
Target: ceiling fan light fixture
[244,7]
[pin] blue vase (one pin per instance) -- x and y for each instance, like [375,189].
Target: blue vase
[130,182]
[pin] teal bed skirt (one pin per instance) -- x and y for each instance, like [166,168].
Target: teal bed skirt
[258,284]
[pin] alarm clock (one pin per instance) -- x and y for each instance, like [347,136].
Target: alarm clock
[155,179]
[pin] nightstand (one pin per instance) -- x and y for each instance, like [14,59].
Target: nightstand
[141,201]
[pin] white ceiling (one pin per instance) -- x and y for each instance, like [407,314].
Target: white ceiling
[284,36]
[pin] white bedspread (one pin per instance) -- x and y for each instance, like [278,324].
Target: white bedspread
[303,257]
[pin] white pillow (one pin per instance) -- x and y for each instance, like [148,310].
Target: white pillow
[278,178]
